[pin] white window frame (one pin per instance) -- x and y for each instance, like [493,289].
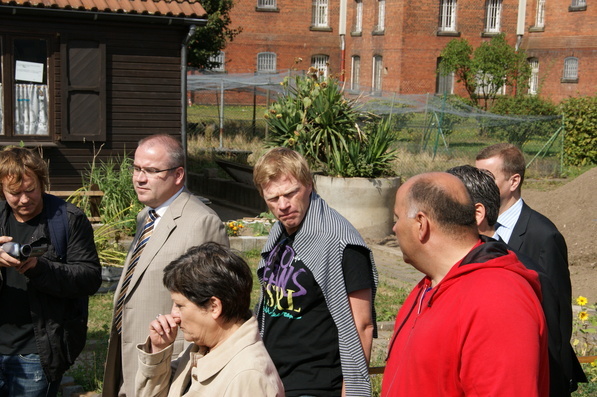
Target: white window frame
[493,18]
[481,84]
[267,4]
[358,21]
[31,99]
[377,75]
[444,80]
[221,59]
[266,62]
[447,16]
[321,63]
[540,17]
[534,78]
[319,17]
[578,3]
[381,15]
[355,73]
[570,72]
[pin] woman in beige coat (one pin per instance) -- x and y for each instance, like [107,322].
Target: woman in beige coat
[210,287]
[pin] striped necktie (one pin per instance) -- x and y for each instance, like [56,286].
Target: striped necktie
[141,243]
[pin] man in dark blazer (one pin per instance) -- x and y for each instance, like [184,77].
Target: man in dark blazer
[533,235]
[181,221]
[563,363]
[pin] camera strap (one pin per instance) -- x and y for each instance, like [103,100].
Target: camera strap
[57,223]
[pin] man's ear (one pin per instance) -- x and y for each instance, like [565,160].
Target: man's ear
[480,213]
[423,223]
[514,182]
[180,175]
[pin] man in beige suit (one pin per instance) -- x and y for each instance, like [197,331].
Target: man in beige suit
[172,222]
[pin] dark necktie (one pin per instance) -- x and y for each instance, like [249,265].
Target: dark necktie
[141,243]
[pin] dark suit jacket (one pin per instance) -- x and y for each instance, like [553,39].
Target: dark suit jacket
[536,237]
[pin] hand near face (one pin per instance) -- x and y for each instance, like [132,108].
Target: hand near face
[162,332]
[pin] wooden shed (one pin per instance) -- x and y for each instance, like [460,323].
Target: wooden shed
[77,75]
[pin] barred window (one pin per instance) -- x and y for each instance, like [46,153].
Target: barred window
[220,58]
[266,3]
[570,69]
[358,21]
[494,16]
[355,73]
[486,86]
[447,16]
[381,15]
[266,62]
[321,62]
[534,79]
[377,74]
[445,81]
[320,14]
[578,3]
[540,18]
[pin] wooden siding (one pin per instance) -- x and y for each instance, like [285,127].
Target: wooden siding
[142,89]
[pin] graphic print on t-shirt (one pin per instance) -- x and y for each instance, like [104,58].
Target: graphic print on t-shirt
[283,283]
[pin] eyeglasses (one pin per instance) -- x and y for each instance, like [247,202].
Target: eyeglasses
[149,172]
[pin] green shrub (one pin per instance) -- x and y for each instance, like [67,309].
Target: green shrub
[119,204]
[580,123]
[519,132]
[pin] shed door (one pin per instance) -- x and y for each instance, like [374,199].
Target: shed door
[83,79]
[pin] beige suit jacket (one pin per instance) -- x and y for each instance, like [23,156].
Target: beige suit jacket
[239,367]
[186,223]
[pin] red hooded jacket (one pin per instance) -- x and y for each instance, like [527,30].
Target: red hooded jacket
[479,332]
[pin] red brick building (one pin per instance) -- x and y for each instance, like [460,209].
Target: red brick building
[394,45]
[561,41]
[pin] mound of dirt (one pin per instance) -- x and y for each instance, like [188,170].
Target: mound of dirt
[573,209]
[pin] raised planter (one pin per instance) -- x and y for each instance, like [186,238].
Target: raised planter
[367,203]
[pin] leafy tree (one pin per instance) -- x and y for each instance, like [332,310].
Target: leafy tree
[210,39]
[487,69]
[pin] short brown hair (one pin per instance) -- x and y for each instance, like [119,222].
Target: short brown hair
[16,162]
[513,161]
[281,161]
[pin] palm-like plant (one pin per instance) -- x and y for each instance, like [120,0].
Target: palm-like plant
[314,118]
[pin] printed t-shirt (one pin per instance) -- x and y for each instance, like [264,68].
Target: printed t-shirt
[299,332]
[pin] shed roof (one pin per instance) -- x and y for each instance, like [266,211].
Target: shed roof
[166,8]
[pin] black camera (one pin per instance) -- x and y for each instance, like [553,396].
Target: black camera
[22,252]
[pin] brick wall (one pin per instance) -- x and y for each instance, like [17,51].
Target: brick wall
[566,33]
[410,44]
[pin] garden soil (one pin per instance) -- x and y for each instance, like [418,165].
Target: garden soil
[573,209]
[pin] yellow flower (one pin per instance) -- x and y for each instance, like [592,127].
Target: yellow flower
[583,316]
[581,301]
[594,363]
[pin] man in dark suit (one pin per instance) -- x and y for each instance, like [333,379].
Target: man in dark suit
[173,221]
[530,233]
[563,363]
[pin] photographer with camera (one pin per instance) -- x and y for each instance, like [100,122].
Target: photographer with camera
[48,268]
